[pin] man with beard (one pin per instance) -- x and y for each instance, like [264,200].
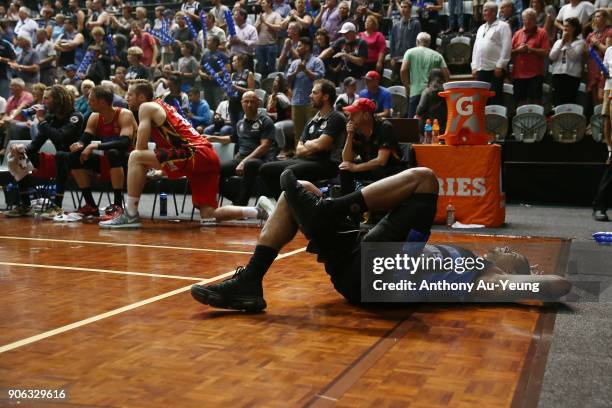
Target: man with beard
[318,150]
[60,123]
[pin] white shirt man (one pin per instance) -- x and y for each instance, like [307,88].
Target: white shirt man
[582,11]
[491,53]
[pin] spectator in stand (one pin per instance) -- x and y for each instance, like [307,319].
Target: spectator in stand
[599,40]
[245,39]
[403,36]
[191,8]
[268,24]
[7,54]
[212,31]
[418,62]
[350,94]
[26,66]
[429,18]
[48,21]
[99,17]
[301,75]
[379,94]
[329,19]
[158,20]
[46,57]
[289,51]
[81,104]
[376,45]
[213,93]
[120,81]
[20,99]
[142,18]
[345,13]
[199,114]
[58,28]
[218,12]
[545,17]
[136,70]
[243,80]
[176,97]
[281,7]
[71,77]
[508,15]
[25,25]
[121,44]
[75,13]
[530,49]
[455,18]
[350,53]
[300,16]
[188,66]
[279,104]
[582,10]
[69,46]
[492,50]
[364,9]
[432,105]
[146,42]
[566,56]
[221,125]
[279,110]
[123,24]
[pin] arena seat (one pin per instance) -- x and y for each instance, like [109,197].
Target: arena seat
[508,98]
[266,84]
[496,120]
[458,51]
[399,105]
[261,94]
[397,89]
[529,124]
[568,124]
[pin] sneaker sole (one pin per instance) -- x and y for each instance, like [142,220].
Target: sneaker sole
[119,226]
[245,303]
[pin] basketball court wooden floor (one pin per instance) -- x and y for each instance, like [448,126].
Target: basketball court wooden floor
[107,317]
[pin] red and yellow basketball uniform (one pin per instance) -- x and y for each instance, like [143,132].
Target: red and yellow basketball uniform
[183,152]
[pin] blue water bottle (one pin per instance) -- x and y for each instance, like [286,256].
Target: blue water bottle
[163,204]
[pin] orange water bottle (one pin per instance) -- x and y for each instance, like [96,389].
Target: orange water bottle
[435,131]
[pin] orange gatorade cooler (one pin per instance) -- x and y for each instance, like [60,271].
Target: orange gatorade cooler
[466,101]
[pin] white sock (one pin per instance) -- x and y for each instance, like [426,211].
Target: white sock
[249,212]
[132,205]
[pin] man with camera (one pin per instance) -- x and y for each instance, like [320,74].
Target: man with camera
[60,123]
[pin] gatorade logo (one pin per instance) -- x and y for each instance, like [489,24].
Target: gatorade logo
[465,106]
[462,187]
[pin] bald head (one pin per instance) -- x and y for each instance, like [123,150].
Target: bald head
[250,104]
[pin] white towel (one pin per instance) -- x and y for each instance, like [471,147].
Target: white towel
[19,165]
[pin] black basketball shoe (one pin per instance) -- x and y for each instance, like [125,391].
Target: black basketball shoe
[312,213]
[240,292]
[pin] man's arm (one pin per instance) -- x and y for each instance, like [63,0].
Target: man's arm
[70,130]
[150,114]
[310,147]
[405,75]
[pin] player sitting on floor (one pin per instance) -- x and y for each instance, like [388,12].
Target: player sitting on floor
[410,198]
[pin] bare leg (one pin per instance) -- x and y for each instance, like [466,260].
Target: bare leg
[81,176]
[390,192]
[139,163]
[117,177]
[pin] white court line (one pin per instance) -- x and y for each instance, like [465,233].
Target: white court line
[226,251]
[74,268]
[93,319]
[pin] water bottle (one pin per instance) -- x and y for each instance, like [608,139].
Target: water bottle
[427,132]
[435,131]
[450,214]
[163,204]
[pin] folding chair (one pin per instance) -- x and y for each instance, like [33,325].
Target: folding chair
[597,124]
